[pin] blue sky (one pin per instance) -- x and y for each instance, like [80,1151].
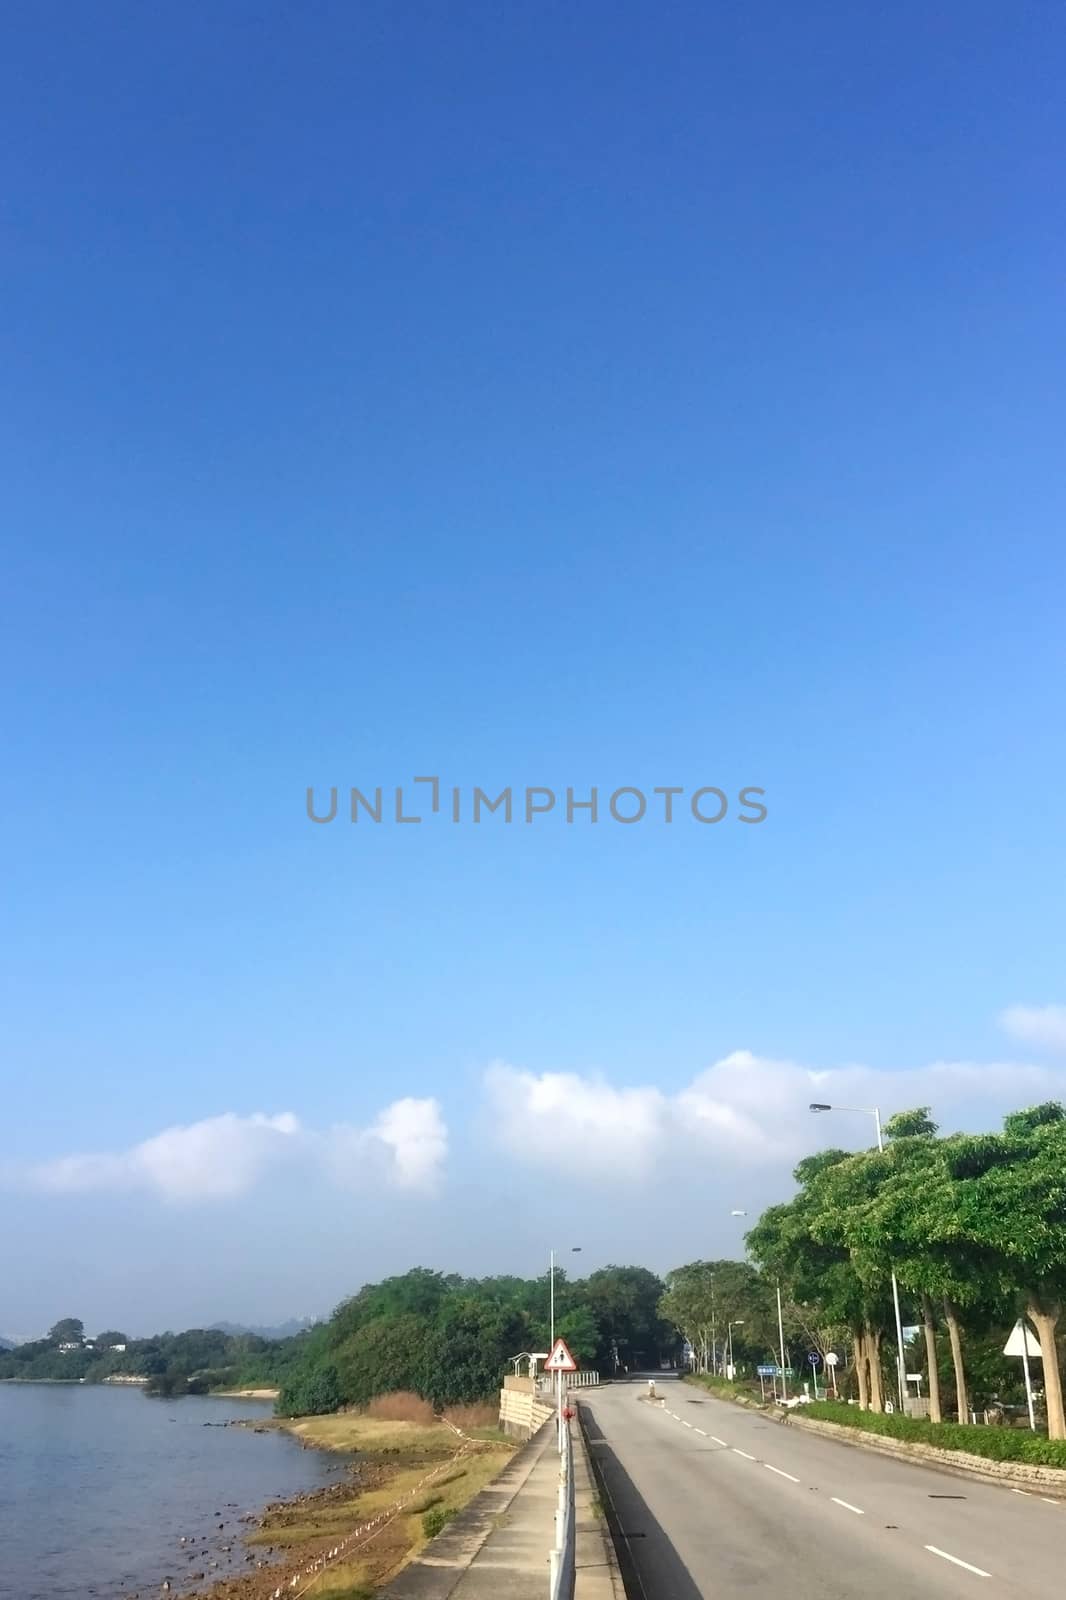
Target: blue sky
[610,395]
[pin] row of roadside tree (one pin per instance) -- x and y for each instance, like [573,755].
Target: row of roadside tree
[974,1226]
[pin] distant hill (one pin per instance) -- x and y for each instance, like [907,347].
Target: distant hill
[284,1330]
[7,1344]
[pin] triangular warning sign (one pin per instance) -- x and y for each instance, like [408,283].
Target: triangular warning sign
[1022,1341]
[560,1359]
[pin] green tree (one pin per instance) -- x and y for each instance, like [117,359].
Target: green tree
[1011,1205]
[385,1354]
[68,1330]
[625,1304]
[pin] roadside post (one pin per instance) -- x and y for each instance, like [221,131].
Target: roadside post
[815,1360]
[769,1370]
[831,1360]
[1022,1342]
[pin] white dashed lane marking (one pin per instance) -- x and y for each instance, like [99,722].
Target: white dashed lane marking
[859,1512]
[743,1453]
[780,1474]
[978,1572]
[722,1442]
[701,1430]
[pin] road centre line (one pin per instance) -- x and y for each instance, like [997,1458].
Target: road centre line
[780,1474]
[978,1571]
[683,1423]
[743,1453]
[701,1430]
[859,1512]
[722,1442]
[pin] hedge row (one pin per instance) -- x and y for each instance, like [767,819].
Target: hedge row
[996,1444]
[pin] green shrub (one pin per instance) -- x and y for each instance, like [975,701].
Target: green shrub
[720,1386]
[995,1444]
[435,1520]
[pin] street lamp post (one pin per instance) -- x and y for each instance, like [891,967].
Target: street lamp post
[575,1250]
[780,1321]
[875,1112]
[739,1323]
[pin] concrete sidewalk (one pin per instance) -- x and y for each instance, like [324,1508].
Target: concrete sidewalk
[500,1543]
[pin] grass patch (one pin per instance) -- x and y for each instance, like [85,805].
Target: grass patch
[724,1388]
[395,1457]
[350,1431]
[994,1444]
[436,1520]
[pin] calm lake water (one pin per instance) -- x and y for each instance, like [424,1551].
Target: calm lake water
[98,1484]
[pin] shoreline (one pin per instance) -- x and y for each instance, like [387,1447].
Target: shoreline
[243,1394]
[361,1529]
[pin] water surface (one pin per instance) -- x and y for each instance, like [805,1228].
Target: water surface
[98,1484]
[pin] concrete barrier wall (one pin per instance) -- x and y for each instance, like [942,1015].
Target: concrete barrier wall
[521,1412]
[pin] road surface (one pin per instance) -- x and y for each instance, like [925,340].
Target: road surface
[716,1501]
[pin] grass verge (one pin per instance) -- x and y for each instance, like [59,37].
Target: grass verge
[994,1444]
[393,1461]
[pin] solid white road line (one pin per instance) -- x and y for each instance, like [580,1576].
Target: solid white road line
[743,1453]
[722,1442]
[859,1512]
[780,1474]
[943,1554]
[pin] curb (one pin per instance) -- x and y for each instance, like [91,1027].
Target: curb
[597,1575]
[1008,1473]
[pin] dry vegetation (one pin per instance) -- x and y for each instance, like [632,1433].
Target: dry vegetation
[398,1442]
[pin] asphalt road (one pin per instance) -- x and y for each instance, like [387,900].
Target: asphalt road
[714,1500]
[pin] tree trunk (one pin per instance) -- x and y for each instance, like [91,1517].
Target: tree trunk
[873,1349]
[861,1376]
[935,1414]
[1045,1319]
[962,1398]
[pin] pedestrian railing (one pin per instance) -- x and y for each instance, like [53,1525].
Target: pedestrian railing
[561,1565]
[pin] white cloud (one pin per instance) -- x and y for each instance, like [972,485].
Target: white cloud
[744,1112]
[415,1133]
[228,1155]
[582,1125]
[1039,1025]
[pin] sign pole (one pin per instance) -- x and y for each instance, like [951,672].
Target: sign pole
[1025,1369]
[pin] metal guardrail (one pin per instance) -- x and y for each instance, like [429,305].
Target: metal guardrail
[561,1565]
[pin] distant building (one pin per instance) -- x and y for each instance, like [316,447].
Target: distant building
[116,1347]
[71,1344]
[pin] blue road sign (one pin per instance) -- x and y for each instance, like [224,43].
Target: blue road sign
[768,1372]
[814,1358]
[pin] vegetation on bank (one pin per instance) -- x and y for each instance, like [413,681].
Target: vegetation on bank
[446,1338]
[995,1444]
[451,1339]
[194,1362]
[408,1462]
